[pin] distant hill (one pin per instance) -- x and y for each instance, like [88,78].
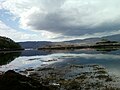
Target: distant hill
[37,44]
[94,40]
[8,44]
[113,37]
[85,41]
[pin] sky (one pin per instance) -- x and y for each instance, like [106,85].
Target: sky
[58,20]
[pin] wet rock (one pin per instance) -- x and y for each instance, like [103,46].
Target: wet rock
[76,77]
[11,80]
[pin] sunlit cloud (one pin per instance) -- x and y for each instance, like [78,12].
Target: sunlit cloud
[22,36]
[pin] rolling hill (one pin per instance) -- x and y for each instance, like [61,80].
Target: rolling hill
[8,44]
[37,44]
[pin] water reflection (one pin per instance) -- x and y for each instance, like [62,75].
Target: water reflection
[106,50]
[33,53]
[34,59]
[7,57]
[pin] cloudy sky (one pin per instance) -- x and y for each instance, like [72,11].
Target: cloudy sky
[57,20]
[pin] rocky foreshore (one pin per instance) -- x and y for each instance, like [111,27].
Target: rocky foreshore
[71,77]
[11,80]
[76,77]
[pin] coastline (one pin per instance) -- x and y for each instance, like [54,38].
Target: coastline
[67,47]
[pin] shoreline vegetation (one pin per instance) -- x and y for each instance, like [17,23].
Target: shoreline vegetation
[101,45]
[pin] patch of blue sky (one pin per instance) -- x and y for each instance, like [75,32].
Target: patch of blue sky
[2,0]
[12,21]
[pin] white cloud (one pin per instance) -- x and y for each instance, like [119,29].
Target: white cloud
[67,17]
[0,5]
[22,36]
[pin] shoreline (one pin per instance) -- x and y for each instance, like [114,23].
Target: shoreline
[71,47]
[2,50]
[71,77]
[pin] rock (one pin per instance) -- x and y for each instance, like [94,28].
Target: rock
[11,80]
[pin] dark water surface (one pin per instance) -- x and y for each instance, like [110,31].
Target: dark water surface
[31,59]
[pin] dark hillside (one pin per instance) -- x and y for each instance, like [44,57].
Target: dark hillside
[8,44]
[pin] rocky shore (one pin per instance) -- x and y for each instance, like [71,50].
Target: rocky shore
[76,77]
[11,80]
[70,77]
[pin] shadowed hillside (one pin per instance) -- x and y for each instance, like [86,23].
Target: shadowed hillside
[8,44]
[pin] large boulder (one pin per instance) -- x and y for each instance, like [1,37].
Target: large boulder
[11,80]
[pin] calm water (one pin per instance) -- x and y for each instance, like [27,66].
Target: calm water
[33,59]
